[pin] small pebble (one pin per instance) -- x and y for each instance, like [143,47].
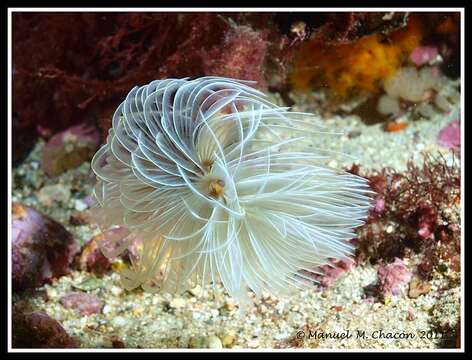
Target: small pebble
[177,303]
[228,340]
[51,193]
[119,321]
[88,284]
[197,343]
[116,291]
[78,218]
[418,287]
[230,305]
[80,205]
[253,343]
[86,304]
[196,291]
[214,342]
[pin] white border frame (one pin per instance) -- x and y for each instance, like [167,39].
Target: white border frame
[225,10]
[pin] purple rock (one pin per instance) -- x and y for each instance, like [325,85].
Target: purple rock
[450,136]
[42,249]
[86,304]
[88,200]
[69,149]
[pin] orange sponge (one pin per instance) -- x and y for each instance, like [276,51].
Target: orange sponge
[362,65]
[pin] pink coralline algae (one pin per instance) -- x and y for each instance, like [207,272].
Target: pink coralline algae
[69,149]
[333,271]
[423,55]
[379,205]
[450,136]
[42,249]
[427,220]
[86,304]
[38,330]
[392,278]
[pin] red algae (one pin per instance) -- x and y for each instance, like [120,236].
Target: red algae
[241,56]
[414,214]
[36,329]
[97,58]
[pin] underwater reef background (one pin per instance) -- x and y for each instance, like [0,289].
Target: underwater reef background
[389,81]
[95,58]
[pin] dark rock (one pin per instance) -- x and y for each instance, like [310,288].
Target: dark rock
[38,330]
[117,344]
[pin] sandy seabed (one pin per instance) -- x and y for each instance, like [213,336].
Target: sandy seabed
[339,316]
